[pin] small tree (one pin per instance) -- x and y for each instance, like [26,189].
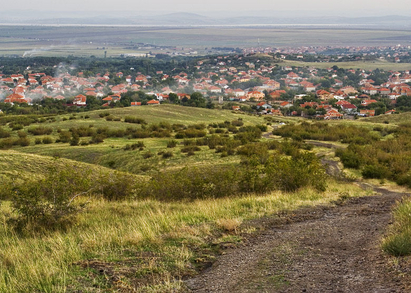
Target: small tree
[50,203]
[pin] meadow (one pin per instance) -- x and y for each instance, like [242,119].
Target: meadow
[111,153]
[146,241]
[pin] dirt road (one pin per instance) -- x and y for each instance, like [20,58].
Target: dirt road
[323,249]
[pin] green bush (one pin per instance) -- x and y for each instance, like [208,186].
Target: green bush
[64,136]
[147,155]
[172,143]
[47,140]
[22,141]
[375,171]
[50,203]
[4,133]
[349,158]
[191,183]
[131,119]
[15,127]
[40,130]
[104,114]
[117,186]
[7,143]
[167,155]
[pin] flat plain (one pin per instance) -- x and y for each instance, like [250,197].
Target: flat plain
[80,40]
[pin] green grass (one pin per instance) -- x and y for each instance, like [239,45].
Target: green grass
[19,167]
[137,240]
[111,150]
[398,241]
[391,119]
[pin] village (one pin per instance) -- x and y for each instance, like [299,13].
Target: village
[238,82]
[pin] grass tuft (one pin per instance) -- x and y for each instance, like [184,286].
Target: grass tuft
[398,241]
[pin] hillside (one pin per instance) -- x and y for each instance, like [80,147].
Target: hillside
[110,152]
[244,190]
[18,167]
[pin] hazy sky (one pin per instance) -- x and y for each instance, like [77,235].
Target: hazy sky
[338,7]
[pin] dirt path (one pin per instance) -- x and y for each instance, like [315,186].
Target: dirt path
[323,249]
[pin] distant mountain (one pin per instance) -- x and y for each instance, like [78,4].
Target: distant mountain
[193,19]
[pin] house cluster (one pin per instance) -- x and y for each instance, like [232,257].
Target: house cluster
[229,78]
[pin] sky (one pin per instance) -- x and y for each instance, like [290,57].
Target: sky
[242,7]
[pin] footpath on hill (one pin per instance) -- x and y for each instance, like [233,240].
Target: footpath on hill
[323,249]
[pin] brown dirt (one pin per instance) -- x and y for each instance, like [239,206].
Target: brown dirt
[323,249]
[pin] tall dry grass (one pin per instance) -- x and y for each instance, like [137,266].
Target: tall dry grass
[44,263]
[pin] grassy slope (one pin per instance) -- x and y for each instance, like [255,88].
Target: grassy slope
[18,167]
[392,119]
[132,161]
[139,240]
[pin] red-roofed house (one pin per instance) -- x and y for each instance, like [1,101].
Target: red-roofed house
[333,114]
[367,102]
[153,102]
[80,100]
[367,112]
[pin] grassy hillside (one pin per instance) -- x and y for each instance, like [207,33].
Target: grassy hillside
[111,153]
[137,244]
[19,167]
[140,243]
[391,119]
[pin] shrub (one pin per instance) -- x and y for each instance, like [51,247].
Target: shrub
[47,140]
[349,158]
[190,148]
[22,134]
[375,171]
[147,155]
[40,130]
[131,119]
[98,138]
[4,133]
[191,183]
[104,114]
[139,145]
[7,143]
[117,186]
[38,141]
[172,143]
[75,140]
[238,122]
[50,203]
[167,155]
[65,136]
[15,127]
[22,141]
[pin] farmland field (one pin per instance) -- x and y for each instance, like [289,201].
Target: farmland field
[94,40]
